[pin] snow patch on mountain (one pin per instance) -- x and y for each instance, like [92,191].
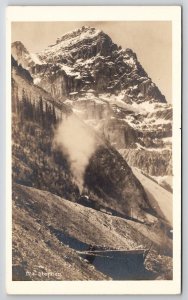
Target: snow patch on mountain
[69,71]
[35,58]
[68,40]
[36,80]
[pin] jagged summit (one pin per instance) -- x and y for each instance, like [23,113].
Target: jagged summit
[19,52]
[87,59]
[86,31]
[82,43]
[19,46]
[23,56]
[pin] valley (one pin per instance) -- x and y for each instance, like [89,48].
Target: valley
[91,163]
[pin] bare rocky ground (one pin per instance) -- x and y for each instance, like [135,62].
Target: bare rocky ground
[36,251]
[39,218]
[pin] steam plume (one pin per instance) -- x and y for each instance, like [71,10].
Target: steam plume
[78,142]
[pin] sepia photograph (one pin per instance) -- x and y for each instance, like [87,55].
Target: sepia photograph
[92,150]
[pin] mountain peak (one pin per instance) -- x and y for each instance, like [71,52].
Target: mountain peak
[84,31]
[86,58]
[19,47]
[76,44]
[23,56]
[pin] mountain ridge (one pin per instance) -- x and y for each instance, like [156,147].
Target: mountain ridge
[103,59]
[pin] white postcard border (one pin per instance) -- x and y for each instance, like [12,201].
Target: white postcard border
[102,13]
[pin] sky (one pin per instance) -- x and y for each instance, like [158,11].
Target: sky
[150,40]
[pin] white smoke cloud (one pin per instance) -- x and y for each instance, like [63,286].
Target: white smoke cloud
[77,141]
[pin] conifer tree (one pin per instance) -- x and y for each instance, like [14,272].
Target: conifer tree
[41,112]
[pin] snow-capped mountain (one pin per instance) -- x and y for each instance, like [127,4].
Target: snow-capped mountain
[109,89]
[85,59]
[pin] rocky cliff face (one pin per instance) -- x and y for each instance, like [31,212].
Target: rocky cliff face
[156,163]
[87,58]
[140,132]
[22,84]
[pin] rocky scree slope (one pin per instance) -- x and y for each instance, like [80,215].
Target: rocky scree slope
[45,254]
[40,219]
